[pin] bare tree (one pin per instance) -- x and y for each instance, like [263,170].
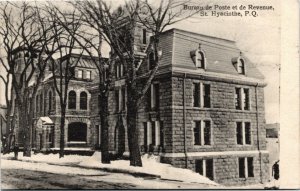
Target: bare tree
[24,37]
[118,28]
[90,39]
[63,67]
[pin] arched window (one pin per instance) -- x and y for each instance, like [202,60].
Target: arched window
[72,100]
[241,66]
[83,100]
[50,101]
[151,61]
[200,59]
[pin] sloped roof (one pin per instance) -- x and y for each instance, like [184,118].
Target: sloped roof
[218,53]
[46,121]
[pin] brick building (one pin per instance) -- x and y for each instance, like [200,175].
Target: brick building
[204,110]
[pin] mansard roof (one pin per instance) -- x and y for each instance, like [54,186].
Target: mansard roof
[219,53]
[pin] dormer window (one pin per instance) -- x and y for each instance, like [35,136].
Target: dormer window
[79,74]
[198,57]
[88,75]
[241,66]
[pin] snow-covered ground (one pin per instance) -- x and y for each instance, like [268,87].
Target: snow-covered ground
[79,164]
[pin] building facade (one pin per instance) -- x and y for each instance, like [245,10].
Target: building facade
[204,110]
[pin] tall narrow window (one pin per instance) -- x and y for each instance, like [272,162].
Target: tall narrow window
[238,98]
[196,94]
[153,136]
[206,95]
[239,133]
[123,98]
[50,101]
[246,99]
[241,66]
[37,104]
[72,100]
[242,168]
[41,104]
[117,100]
[206,132]
[205,168]
[83,100]
[247,133]
[197,132]
[200,59]
[162,134]
[151,61]
[144,36]
[98,134]
[155,96]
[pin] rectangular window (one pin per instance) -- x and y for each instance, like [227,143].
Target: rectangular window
[98,134]
[242,99]
[80,74]
[117,100]
[197,129]
[206,95]
[202,132]
[201,95]
[88,75]
[152,133]
[161,134]
[123,98]
[239,133]
[196,94]
[117,69]
[205,168]
[144,36]
[238,98]
[246,99]
[246,167]
[243,133]
[155,96]
[247,133]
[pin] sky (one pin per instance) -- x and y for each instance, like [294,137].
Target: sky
[257,37]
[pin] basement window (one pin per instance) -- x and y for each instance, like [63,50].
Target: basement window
[205,167]
[246,167]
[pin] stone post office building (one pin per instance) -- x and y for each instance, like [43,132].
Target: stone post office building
[204,110]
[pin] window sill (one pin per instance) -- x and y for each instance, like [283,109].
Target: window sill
[202,146]
[76,142]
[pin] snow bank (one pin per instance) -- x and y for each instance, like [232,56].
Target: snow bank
[48,158]
[150,166]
